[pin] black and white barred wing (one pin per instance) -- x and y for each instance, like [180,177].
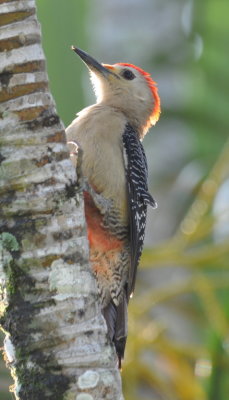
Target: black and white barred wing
[138,197]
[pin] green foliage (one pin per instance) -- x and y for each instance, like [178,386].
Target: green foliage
[194,365]
[62,26]
[155,360]
[208,110]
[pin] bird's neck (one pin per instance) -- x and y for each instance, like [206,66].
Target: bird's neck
[137,117]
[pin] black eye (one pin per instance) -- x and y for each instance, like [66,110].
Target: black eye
[128,74]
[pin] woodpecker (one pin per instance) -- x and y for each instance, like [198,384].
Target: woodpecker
[114,168]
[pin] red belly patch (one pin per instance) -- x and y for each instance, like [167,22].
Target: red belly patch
[99,238]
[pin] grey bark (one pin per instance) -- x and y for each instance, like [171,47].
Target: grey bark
[55,344]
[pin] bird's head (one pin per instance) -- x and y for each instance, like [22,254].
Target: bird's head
[127,88]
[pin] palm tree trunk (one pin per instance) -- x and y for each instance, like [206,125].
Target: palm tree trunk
[56,344]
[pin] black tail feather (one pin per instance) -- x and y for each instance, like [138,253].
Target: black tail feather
[110,315]
[116,319]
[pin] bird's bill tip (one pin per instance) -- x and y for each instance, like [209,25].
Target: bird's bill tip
[91,63]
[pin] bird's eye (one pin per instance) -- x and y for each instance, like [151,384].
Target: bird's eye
[128,74]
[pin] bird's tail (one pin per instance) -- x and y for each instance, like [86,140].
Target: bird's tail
[116,319]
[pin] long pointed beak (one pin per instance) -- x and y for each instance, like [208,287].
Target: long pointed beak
[91,63]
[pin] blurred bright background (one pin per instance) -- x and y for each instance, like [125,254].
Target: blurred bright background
[178,345]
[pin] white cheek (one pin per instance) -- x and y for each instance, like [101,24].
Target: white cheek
[142,99]
[97,86]
[142,95]
[141,91]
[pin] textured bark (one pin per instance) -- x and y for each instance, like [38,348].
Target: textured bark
[56,344]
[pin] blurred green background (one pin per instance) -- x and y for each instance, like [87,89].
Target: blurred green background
[178,345]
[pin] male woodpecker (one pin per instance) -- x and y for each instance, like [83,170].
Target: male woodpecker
[115,170]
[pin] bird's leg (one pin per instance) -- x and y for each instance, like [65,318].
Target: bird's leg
[76,154]
[104,205]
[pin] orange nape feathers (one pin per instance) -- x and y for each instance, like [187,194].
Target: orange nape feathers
[154,117]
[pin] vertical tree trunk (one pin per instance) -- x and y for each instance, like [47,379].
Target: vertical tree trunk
[56,343]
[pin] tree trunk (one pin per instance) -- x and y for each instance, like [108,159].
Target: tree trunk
[56,344]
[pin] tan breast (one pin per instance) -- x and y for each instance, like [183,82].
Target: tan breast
[98,130]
